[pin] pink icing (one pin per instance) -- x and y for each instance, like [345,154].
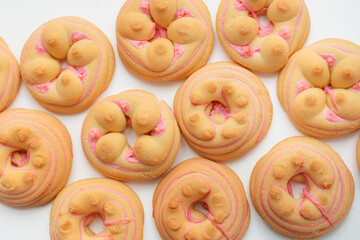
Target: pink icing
[130,157]
[77,36]
[139,44]
[93,137]
[301,86]
[160,128]
[328,90]
[329,58]
[246,51]
[183,12]
[80,72]
[123,104]
[43,87]
[331,116]
[356,87]
[264,30]
[117,221]
[144,7]
[285,33]
[318,205]
[39,47]
[239,5]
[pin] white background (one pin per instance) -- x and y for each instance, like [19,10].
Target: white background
[18,19]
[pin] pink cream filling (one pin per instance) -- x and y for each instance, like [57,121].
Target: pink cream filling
[219,109]
[356,87]
[329,58]
[246,51]
[130,157]
[183,12]
[117,221]
[328,90]
[94,135]
[123,104]
[160,128]
[301,86]
[77,36]
[39,47]
[331,116]
[24,159]
[144,7]
[285,33]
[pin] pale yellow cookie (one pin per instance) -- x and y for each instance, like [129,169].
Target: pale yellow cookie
[107,148]
[78,204]
[259,46]
[66,64]
[223,110]
[9,76]
[200,184]
[327,195]
[35,157]
[319,88]
[162,40]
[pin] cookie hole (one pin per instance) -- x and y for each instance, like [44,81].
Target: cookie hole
[217,112]
[201,211]
[19,158]
[96,226]
[264,20]
[131,136]
[296,186]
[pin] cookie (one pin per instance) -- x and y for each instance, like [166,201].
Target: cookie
[319,88]
[66,64]
[107,148]
[164,40]
[36,157]
[223,110]
[9,76]
[259,46]
[78,204]
[200,184]
[326,197]
[358,153]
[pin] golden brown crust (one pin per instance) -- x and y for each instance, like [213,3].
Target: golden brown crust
[78,204]
[106,147]
[327,195]
[162,40]
[36,157]
[9,76]
[83,47]
[223,110]
[197,182]
[257,47]
[319,88]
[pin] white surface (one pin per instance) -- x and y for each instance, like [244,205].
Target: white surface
[18,19]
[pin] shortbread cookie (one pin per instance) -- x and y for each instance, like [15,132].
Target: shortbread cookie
[9,76]
[78,204]
[106,147]
[199,183]
[328,188]
[258,46]
[66,64]
[36,157]
[319,88]
[223,110]
[164,40]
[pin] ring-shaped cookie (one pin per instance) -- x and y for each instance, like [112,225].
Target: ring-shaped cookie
[258,46]
[66,64]
[9,76]
[223,110]
[35,157]
[325,200]
[200,183]
[162,40]
[319,88]
[78,204]
[106,147]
